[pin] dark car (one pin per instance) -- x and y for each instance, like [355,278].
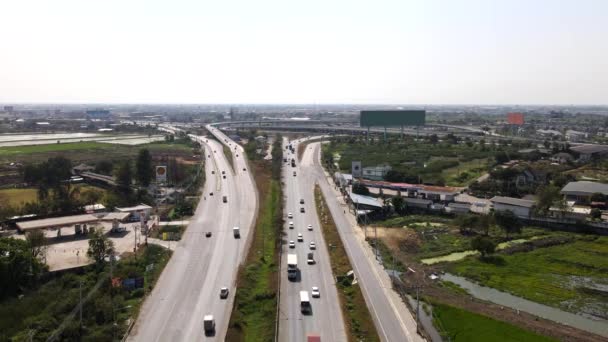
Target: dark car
[224,293]
[302,209]
[208,234]
[211,194]
[224,176]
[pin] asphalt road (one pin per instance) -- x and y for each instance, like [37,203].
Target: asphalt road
[326,318]
[391,317]
[189,286]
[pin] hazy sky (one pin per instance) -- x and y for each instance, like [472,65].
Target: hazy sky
[307,51]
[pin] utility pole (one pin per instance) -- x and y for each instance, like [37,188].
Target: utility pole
[80,309]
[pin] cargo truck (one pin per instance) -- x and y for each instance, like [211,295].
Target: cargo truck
[237,232]
[292,266]
[209,325]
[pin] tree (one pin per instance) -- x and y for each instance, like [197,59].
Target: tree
[399,204]
[104,167]
[100,247]
[360,189]
[508,222]
[433,139]
[37,244]
[465,223]
[596,214]
[18,269]
[124,177]
[598,197]
[483,223]
[483,245]
[501,157]
[143,166]
[547,196]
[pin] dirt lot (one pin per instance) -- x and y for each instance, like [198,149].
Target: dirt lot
[404,242]
[70,251]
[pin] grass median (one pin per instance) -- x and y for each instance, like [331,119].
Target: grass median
[359,324]
[254,314]
[228,155]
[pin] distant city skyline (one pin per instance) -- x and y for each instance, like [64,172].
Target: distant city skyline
[468,52]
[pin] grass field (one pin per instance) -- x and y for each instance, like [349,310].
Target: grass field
[86,151]
[254,313]
[359,324]
[461,325]
[568,276]
[16,197]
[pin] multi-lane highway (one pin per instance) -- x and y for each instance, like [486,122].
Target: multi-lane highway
[189,286]
[391,317]
[326,318]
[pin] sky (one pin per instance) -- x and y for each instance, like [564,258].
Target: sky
[313,51]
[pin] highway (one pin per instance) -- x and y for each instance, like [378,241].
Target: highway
[326,318]
[189,286]
[391,317]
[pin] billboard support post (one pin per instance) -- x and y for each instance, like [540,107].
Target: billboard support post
[401,132]
[384,133]
[367,137]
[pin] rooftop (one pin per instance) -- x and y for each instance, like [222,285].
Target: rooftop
[115,215]
[365,200]
[135,208]
[584,187]
[589,148]
[57,222]
[518,202]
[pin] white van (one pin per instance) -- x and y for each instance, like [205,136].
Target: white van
[305,302]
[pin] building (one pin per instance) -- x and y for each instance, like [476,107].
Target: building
[520,207]
[562,158]
[417,203]
[137,211]
[549,132]
[590,152]
[574,136]
[458,208]
[79,222]
[80,168]
[343,179]
[98,114]
[583,190]
[94,208]
[439,193]
[376,172]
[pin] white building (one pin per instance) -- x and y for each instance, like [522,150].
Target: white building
[520,207]
[137,211]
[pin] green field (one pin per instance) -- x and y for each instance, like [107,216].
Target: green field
[461,325]
[561,276]
[16,197]
[87,151]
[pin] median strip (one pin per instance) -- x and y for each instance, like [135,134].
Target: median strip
[360,326]
[254,314]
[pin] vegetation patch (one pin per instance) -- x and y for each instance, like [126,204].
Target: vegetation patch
[254,314]
[360,326]
[555,276]
[461,325]
[37,313]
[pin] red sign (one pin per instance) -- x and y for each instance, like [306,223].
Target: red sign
[515,118]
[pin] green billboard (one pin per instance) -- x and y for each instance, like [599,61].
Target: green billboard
[389,118]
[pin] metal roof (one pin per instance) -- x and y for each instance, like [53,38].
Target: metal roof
[57,222]
[365,200]
[135,208]
[589,148]
[119,216]
[584,188]
[518,202]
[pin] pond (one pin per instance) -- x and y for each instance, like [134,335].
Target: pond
[588,323]
[461,255]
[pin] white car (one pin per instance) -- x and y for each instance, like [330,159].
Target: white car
[310,227]
[290,224]
[300,237]
[313,245]
[315,292]
[289,215]
[292,244]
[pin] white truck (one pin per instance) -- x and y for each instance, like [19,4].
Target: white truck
[305,307]
[292,266]
[209,324]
